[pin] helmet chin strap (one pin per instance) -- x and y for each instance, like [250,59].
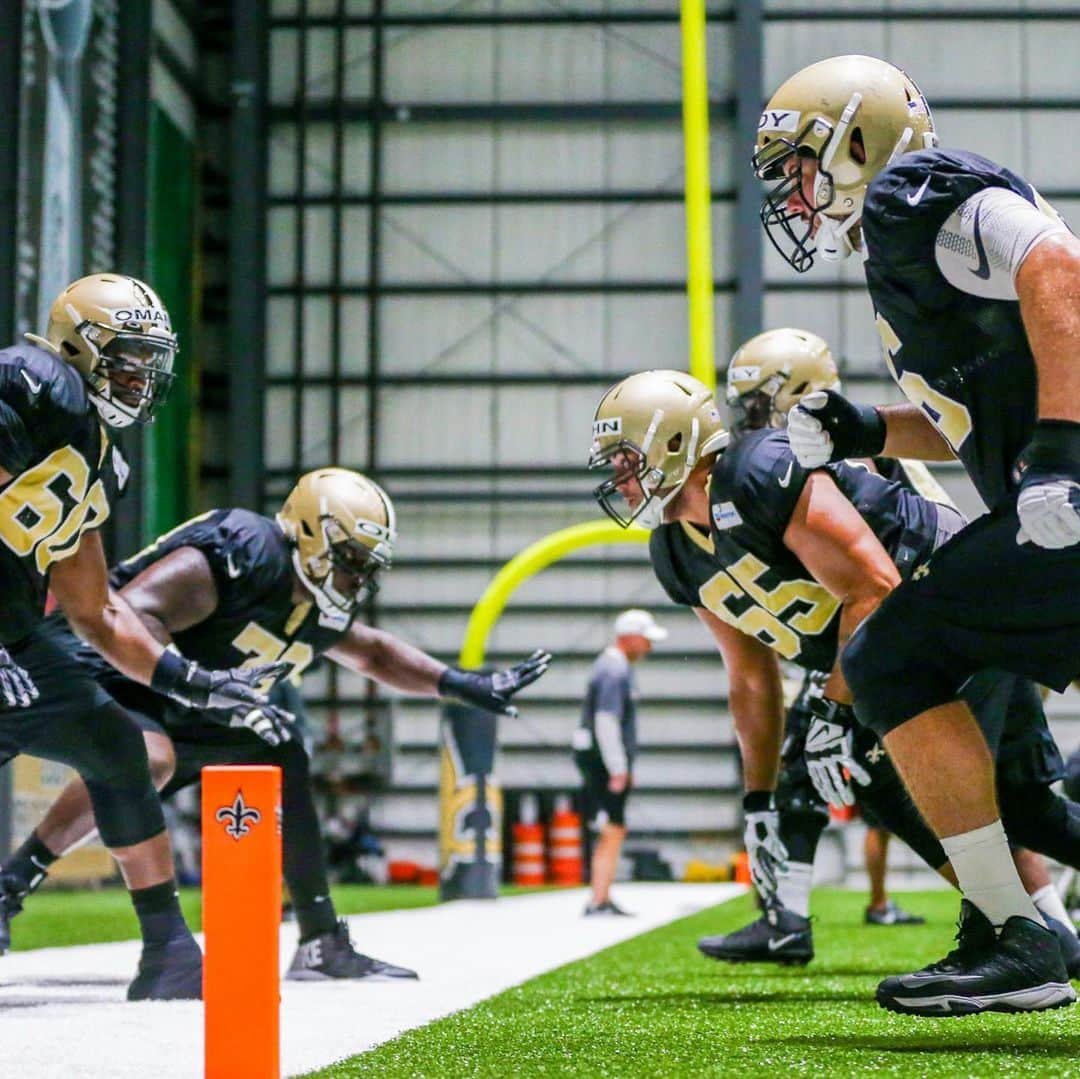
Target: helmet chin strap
[330,614]
[832,240]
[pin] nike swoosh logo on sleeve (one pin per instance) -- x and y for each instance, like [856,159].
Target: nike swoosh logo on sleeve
[983,269]
[35,387]
[914,200]
[785,479]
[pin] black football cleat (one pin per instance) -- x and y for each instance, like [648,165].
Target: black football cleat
[778,936]
[170,971]
[12,894]
[1069,944]
[608,909]
[1019,970]
[332,955]
[891,914]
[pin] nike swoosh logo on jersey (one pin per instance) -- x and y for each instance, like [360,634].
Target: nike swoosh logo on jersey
[35,387]
[983,269]
[914,200]
[785,479]
[775,945]
[231,568]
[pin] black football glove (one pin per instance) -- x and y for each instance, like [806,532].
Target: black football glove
[492,691]
[825,427]
[196,687]
[272,724]
[17,689]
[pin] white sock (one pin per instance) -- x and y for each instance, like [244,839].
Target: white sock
[987,875]
[1049,902]
[793,887]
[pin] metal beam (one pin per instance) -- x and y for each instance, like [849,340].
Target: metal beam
[748,254]
[135,29]
[247,235]
[481,20]
[10,87]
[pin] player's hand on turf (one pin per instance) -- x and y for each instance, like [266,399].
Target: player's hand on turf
[829,752]
[764,848]
[492,691]
[272,724]
[825,426]
[17,689]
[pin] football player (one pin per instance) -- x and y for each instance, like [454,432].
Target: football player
[234,588]
[972,277]
[105,362]
[766,377]
[778,561]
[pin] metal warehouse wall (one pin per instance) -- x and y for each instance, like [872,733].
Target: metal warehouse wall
[474,225]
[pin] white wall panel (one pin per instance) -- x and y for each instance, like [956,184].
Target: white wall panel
[443,425]
[438,157]
[553,242]
[435,333]
[544,425]
[437,244]
[442,64]
[318,159]
[354,427]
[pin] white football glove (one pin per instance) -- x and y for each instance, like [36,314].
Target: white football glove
[1049,513]
[17,689]
[765,850]
[828,752]
[272,724]
[810,442]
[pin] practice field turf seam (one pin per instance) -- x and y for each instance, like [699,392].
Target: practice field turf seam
[653,1007]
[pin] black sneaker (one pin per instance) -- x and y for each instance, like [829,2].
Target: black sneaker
[1019,970]
[12,894]
[170,971]
[1069,944]
[891,914]
[608,909]
[778,936]
[332,955]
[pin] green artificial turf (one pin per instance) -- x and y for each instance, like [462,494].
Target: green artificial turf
[653,1006]
[56,918]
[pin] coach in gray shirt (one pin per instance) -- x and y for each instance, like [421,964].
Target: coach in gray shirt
[605,745]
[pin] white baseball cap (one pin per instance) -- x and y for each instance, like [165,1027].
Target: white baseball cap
[638,623]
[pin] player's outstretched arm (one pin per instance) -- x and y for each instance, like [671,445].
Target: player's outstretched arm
[825,427]
[840,550]
[755,698]
[395,663]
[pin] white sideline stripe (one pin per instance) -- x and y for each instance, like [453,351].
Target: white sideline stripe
[63,1013]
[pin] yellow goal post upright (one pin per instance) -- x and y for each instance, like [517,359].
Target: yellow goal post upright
[470,798]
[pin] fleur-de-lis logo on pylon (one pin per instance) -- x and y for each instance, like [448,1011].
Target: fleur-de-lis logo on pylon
[239,817]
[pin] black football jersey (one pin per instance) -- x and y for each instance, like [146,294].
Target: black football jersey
[963,359]
[66,475]
[742,571]
[256,620]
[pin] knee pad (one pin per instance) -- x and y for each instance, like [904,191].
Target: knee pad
[114,766]
[895,666]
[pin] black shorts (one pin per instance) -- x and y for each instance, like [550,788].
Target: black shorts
[602,806]
[76,722]
[982,601]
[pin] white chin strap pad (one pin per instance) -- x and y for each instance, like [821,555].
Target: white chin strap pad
[832,241]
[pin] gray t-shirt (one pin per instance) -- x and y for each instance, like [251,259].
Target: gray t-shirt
[611,693]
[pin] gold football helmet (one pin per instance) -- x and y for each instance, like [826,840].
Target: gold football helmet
[652,429]
[116,333]
[341,524]
[771,373]
[854,115]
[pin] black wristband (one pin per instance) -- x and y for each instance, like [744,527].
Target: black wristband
[1055,446]
[447,681]
[872,431]
[171,671]
[757,801]
[830,710]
